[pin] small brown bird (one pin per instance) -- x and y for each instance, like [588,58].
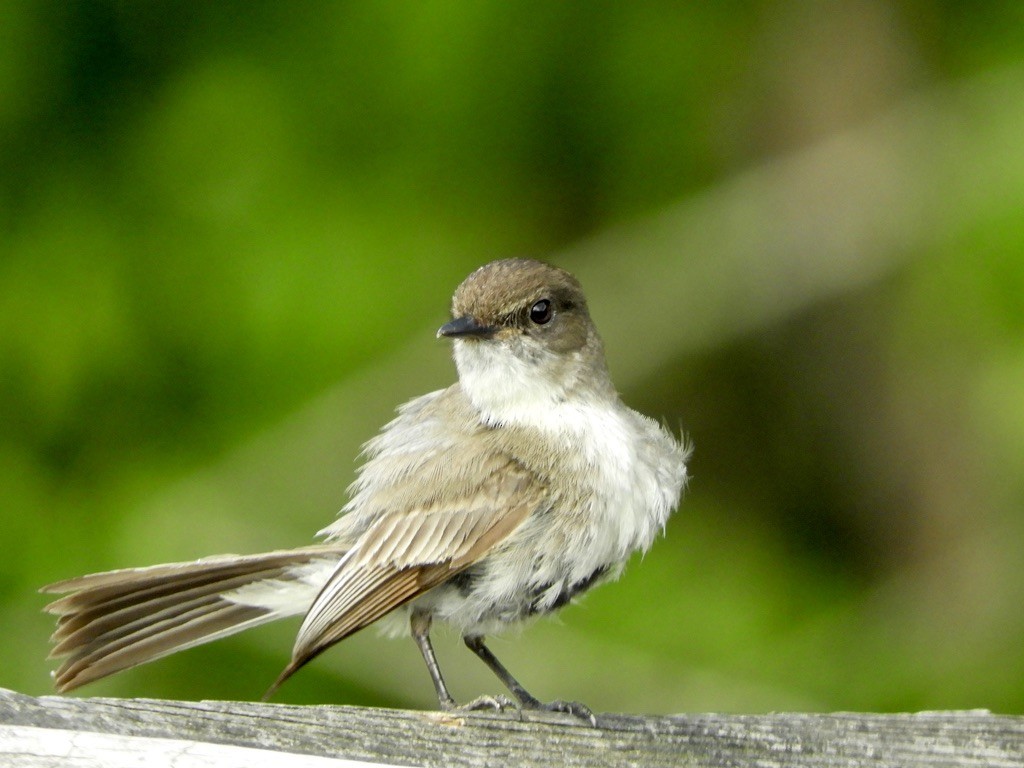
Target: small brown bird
[497,499]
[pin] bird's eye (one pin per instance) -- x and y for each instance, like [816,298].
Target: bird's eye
[540,312]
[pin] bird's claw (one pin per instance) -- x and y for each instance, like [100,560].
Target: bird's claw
[497,703]
[574,708]
[501,703]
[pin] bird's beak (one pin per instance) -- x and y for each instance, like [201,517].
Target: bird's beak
[465,326]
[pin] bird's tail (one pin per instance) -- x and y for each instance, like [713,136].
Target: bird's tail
[115,620]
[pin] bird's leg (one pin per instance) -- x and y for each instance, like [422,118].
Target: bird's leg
[475,643]
[420,623]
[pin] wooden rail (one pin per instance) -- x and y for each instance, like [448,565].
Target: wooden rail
[56,731]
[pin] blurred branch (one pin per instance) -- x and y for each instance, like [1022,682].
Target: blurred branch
[55,731]
[819,222]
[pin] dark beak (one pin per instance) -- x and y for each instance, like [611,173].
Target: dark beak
[465,326]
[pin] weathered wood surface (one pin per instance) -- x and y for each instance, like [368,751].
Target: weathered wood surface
[56,731]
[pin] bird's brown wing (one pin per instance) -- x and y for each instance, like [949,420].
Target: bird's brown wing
[406,552]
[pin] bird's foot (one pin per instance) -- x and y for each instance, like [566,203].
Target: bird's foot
[501,703]
[497,703]
[574,708]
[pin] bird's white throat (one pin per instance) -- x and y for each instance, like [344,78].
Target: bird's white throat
[507,388]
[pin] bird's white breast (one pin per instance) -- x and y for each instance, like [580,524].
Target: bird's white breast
[636,471]
[634,467]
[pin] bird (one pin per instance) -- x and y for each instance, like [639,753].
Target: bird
[500,498]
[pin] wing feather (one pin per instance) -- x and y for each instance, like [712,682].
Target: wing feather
[421,553]
[433,498]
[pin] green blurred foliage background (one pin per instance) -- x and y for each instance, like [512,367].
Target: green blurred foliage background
[228,230]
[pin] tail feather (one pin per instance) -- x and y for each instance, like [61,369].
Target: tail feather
[150,605]
[104,628]
[111,621]
[157,641]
